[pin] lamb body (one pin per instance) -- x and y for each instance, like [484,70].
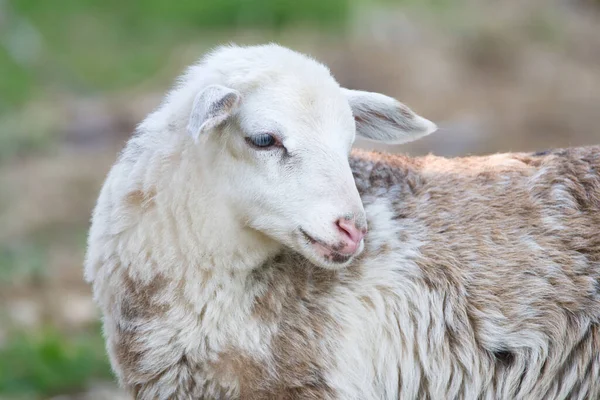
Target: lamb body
[479,276]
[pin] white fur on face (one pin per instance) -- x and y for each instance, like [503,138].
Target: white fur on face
[295,192]
[259,199]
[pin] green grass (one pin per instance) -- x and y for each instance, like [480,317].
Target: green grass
[94,45]
[90,47]
[46,363]
[429,5]
[21,261]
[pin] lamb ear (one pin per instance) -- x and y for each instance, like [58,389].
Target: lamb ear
[382,118]
[212,106]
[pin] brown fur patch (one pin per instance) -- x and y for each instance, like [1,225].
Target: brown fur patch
[294,290]
[136,305]
[256,383]
[139,299]
[140,199]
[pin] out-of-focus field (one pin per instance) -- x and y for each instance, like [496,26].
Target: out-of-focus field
[77,75]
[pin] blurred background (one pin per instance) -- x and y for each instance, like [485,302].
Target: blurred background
[77,75]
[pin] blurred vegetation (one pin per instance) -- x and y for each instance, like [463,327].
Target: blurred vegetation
[47,362]
[25,259]
[22,260]
[21,134]
[90,45]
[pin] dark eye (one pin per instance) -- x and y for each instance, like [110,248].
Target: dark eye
[262,140]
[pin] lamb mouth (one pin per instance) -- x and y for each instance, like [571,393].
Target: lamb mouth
[332,255]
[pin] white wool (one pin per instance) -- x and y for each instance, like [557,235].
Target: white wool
[217,263]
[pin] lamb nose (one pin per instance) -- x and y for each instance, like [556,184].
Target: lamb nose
[350,230]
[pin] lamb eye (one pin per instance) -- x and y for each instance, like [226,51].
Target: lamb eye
[262,140]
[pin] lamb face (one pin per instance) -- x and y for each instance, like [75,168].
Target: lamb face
[284,152]
[283,131]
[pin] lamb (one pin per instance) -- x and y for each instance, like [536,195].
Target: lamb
[240,249]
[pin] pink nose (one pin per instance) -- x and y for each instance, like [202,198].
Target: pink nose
[351,236]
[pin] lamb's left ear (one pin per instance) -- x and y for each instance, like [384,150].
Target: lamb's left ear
[382,118]
[212,106]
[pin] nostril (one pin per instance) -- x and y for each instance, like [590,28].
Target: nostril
[342,229]
[350,230]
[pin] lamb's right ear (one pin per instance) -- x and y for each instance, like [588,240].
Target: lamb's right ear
[385,119]
[212,106]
